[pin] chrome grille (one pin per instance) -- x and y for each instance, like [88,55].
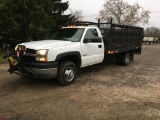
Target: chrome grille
[31,51]
[28,58]
[29,55]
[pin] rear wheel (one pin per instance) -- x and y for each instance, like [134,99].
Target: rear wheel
[67,73]
[125,58]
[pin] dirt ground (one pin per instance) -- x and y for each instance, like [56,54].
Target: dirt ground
[101,92]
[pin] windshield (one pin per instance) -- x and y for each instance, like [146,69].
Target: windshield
[69,34]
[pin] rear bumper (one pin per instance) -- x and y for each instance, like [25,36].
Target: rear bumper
[42,70]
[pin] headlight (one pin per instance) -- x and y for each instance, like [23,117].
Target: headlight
[42,55]
[42,52]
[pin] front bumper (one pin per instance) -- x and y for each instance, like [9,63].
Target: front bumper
[46,70]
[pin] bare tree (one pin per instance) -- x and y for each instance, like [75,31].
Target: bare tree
[123,13]
[77,14]
[152,32]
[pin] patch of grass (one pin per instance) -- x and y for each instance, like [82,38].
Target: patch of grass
[1,58]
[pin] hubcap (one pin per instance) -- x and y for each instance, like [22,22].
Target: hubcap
[69,74]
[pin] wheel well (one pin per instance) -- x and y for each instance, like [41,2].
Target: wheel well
[73,58]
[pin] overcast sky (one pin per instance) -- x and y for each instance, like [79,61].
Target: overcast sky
[91,9]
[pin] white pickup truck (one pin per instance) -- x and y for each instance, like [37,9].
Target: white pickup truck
[76,46]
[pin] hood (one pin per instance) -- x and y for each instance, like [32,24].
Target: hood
[46,44]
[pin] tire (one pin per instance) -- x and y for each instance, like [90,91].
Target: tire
[125,58]
[147,43]
[67,73]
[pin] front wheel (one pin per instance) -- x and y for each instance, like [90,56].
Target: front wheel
[67,73]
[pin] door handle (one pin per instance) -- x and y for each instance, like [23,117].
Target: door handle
[99,46]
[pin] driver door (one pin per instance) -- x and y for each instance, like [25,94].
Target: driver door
[92,48]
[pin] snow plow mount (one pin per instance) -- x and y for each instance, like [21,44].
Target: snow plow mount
[14,61]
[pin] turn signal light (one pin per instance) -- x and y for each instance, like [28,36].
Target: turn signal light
[112,52]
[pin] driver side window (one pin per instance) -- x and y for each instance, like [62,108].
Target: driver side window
[91,33]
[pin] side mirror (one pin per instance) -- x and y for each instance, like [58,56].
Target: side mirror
[6,46]
[93,40]
[99,39]
[85,40]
